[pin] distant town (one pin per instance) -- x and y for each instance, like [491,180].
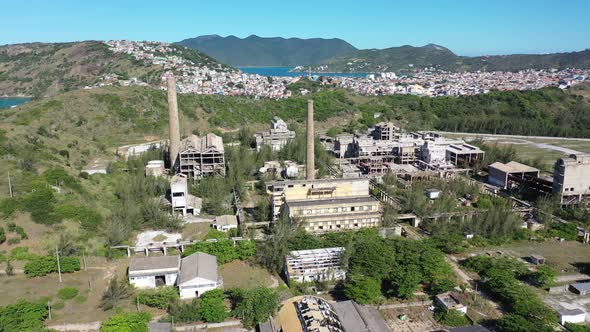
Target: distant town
[220,80]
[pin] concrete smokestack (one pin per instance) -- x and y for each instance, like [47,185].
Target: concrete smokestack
[173,123]
[310,166]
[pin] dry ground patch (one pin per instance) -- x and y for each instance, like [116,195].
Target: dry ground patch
[91,285]
[245,275]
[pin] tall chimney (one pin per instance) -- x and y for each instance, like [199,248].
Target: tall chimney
[310,166]
[173,123]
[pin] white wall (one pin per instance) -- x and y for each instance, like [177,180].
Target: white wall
[143,282]
[189,289]
[581,318]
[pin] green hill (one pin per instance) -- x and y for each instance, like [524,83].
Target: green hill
[258,51]
[40,70]
[408,58]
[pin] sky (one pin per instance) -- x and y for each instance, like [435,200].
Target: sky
[467,27]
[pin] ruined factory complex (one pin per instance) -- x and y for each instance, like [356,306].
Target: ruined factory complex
[350,192]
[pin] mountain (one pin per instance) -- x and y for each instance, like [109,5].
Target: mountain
[408,58]
[260,51]
[46,69]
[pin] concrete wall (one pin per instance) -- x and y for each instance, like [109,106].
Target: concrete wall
[199,285]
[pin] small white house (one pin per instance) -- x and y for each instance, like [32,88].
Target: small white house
[572,316]
[151,272]
[449,302]
[225,223]
[198,274]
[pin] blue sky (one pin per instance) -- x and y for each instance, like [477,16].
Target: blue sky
[467,27]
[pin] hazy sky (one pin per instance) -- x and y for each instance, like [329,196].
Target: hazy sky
[467,27]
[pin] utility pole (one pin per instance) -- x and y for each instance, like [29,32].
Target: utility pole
[58,264]
[10,186]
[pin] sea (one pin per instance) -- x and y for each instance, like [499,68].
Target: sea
[8,102]
[286,71]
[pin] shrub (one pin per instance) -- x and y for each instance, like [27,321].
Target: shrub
[2,235]
[80,299]
[13,241]
[212,307]
[451,318]
[158,298]
[67,293]
[21,232]
[43,265]
[185,312]
[23,316]
[21,254]
[127,322]
[58,305]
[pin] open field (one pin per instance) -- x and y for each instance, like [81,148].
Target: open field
[82,309]
[547,149]
[563,256]
[244,275]
[417,319]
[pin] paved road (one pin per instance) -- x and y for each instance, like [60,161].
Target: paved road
[516,136]
[572,277]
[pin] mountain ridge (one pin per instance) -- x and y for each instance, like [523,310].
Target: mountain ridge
[255,51]
[409,58]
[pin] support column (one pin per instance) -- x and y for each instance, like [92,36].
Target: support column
[310,162]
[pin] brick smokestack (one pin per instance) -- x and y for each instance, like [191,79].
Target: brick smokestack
[310,166]
[173,123]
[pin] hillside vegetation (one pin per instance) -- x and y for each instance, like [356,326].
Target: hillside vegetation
[75,127]
[261,51]
[408,58]
[41,70]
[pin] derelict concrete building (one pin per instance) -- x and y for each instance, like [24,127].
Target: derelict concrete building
[202,156]
[571,178]
[277,137]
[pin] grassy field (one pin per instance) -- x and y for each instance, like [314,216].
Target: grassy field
[563,256]
[244,275]
[82,309]
[547,150]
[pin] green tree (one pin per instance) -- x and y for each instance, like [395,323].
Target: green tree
[158,298]
[403,281]
[115,292]
[254,306]
[212,307]
[362,289]
[544,276]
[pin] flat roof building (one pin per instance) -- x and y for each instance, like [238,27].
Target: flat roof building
[315,265]
[326,204]
[225,222]
[571,178]
[503,175]
[180,198]
[449,301]
[464,154]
